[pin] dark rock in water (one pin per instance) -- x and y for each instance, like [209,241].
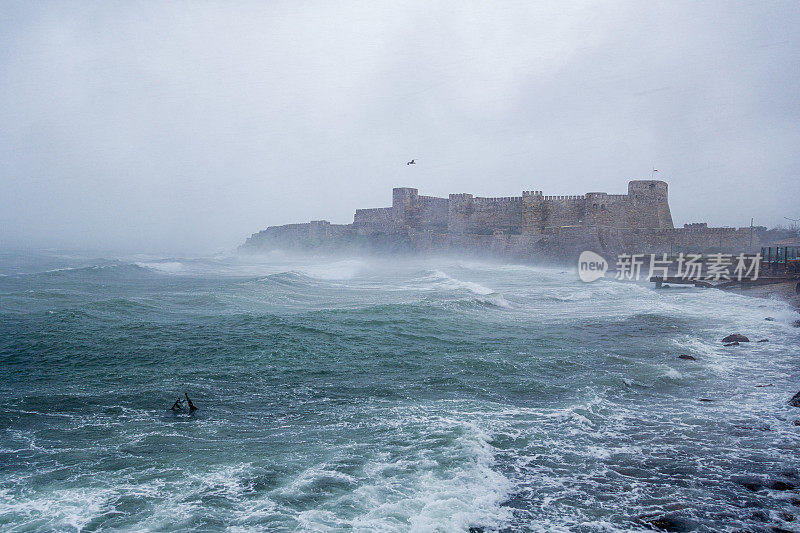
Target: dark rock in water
[705,400]
[751,484]
[665,523]
[476,529]
[795,502]
[786,517]
[767,385]
[764,340]
[781,485]
[781,530]
[736,337]
[769,319]
[734,343]
[795,401]
[686,357]
[796,323]
[796,422]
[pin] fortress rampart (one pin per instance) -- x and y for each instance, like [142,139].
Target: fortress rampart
[645,206]
[527,226]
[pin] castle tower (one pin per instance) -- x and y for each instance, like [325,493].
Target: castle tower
[648,205]
[532,214]
[601,211]
[404,206]
[459,210]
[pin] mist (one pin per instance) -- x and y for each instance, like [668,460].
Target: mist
[185,127]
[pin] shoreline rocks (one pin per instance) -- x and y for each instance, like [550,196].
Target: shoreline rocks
[795,401]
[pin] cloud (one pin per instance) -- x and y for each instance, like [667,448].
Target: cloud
[187,126]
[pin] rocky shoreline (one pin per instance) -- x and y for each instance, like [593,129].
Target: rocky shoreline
[787,291]
[785,482]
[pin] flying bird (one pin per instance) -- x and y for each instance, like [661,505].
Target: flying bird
[412,162]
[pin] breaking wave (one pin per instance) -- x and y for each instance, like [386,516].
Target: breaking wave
[167,267]
[436,279]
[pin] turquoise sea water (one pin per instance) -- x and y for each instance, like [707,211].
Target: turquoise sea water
[377,394]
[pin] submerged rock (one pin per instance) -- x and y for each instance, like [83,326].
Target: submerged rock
[686,357]
[734,343]
[761,516]
[769,319]
[781,485]
[795,401]
[665,523]
[764,340]
[736,337]
[705,400]
[750,483]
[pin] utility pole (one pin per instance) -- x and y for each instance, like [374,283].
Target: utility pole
[794,222]
[751,232]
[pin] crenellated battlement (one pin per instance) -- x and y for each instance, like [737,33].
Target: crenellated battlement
[569,197]
[498,199]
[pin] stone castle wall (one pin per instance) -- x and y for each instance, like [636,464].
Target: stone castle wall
[484,216]
[525,227]
[368,221]
[645,206]
[432,213]
[562,211]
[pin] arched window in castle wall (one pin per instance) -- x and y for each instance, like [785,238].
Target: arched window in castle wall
[594,206]
[603,207]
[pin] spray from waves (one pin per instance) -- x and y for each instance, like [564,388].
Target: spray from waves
[338,270]
[438,280]
[166,267]
[451,484]
[442,280]
[404,491]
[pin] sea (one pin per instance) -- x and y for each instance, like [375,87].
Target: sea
[386,394]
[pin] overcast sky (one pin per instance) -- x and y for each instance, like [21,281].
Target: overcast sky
[187,126]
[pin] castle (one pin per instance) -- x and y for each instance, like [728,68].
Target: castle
[528,227]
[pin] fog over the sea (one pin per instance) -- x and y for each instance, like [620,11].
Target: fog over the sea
[187,126]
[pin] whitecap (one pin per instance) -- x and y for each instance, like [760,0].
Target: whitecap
[442,280]
[167,267]
[345,269]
